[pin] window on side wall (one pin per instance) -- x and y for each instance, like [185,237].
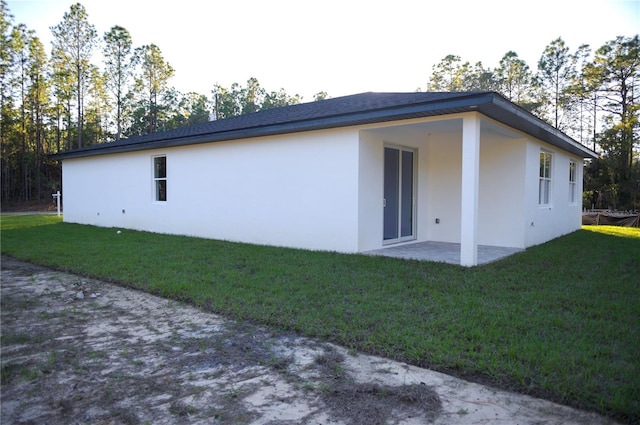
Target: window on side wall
[160,178]
[544,187]
[573,187]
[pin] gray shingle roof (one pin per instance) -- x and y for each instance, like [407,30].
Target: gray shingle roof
[343,111]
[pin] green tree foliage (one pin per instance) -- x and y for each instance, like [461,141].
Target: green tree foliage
[556,72]
[452,75]
[479,78]
[20,41]
[63,93]
[188,109]
[152,82]
[9,137]
[584,100]
[251,96]
[447,75]
[276,99]
[118,69]
[97,111]
[38,104]
[516,82]
[7,53]
[238,100]
[322,95]
[26,106]
[25,148]
[47,104]
[593,98]
[225,101]
[74,40]
[615,75]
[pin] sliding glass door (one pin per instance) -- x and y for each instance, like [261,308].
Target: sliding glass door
[399,194]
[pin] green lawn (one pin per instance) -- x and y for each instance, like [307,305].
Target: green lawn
[560,321]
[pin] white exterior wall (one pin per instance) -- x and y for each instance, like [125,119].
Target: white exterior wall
[371,175]
[370,209]
[298,190]
[96,190]
[502,191]
[323,190]
[444,182]
[543,223]
[504,180]
[439,167]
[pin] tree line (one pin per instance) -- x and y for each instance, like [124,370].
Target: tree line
[591,96]
[64,99]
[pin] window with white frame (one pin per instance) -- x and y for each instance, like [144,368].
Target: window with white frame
[544,188]
[160,178]
[573,187]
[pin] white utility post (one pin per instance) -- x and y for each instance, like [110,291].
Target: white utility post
[470,186]
[56,196]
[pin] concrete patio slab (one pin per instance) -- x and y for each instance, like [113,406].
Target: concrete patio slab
[445,252]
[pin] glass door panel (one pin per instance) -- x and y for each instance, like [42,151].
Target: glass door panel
[391,192]
[399,190]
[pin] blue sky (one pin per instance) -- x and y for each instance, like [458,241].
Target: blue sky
[339,46]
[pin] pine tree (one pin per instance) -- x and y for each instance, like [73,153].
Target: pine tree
[118,68]
[74,40]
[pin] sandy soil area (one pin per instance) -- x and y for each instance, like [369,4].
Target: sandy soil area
[81,351]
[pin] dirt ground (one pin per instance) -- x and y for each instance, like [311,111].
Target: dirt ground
[81,351]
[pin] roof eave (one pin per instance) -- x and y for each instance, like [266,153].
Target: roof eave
[488,103]
[418,110]
[514,116]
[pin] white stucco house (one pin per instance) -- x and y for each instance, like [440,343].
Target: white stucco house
[349,174]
